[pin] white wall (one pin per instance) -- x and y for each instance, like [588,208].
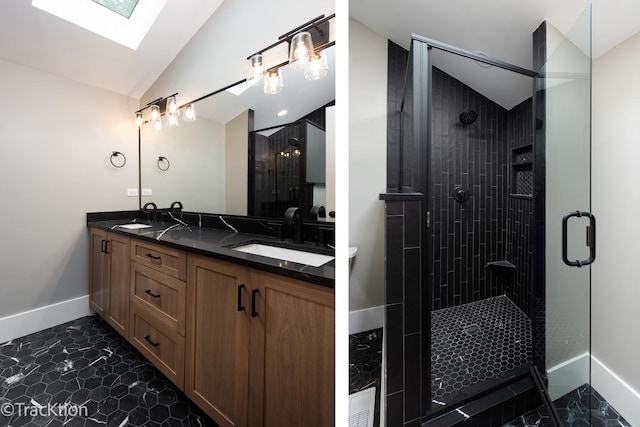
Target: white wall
[57,136]
[616,202]
[367,163]
[198,145]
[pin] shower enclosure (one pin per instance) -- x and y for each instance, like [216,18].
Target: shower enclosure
[495,161]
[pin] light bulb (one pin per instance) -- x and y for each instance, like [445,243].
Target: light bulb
[138,118]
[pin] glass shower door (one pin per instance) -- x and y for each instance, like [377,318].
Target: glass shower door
[569,225]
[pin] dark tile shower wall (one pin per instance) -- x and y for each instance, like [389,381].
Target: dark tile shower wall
[403,326]
[466,236]
[520,216]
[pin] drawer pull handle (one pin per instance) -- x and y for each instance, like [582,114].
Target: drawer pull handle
[254,313]
[240,306]
[157,258]
[148,339]
[148,292]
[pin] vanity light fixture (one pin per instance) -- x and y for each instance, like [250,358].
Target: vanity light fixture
[306,44]
[256,69]
[273,82]
[157,108]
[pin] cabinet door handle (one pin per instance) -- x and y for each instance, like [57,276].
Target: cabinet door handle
[148,292]
[254,313]
[157,258]
[103,246]
[106,246]
[148,339]
[240,306]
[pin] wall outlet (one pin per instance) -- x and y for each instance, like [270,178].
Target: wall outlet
[147,192]
[132,192]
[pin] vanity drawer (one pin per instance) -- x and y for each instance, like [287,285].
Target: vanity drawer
[164,296]
[162,258]
[162,346]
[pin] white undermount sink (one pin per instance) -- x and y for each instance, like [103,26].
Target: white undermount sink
[300,257]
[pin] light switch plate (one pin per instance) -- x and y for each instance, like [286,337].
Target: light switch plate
[132,192]
[147,192]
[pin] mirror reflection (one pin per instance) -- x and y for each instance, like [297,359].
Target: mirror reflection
[205,163]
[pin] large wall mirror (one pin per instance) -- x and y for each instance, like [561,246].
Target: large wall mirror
[205,163]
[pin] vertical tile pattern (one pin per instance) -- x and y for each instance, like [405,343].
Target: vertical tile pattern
[467,235]
[403,309]
[520,216]
[396,66]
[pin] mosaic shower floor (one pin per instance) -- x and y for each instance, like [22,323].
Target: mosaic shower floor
[83,373]
[582,407]
[476,342]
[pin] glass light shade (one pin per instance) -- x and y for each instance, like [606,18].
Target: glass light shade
[256,69]
[157,125]
[172,106]
[138,118]
[172,120]
[189,113]
[316,67]
[273,82]
[300,49]
[155,113]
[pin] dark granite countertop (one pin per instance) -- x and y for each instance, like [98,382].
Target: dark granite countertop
[217,243]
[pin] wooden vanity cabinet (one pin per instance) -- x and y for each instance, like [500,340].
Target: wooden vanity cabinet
[217,365]
[158,306]
[292,353]
[110,255]
[260,347]
[250,348]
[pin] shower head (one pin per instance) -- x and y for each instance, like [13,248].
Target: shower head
[468,117]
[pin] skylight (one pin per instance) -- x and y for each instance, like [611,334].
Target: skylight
[97,16]
[121,7]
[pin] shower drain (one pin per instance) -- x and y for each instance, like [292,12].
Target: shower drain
[471,329]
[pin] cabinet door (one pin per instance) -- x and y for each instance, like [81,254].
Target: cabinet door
[99,272]
[119,252]
[292,353]
[218,303]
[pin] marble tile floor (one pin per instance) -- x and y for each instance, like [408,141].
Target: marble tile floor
[475,342]
[365,364]
[83,373]
[583,407]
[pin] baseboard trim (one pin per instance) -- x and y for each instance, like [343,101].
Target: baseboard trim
[366,319]
[28,322]
[568,375]
[616,391]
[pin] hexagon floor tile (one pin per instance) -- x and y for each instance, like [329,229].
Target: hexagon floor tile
[83,373]
[583,407]
[475,342]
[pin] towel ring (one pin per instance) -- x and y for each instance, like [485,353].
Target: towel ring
[117,154]
[162,159]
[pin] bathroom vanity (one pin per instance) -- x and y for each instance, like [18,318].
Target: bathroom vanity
[249,338]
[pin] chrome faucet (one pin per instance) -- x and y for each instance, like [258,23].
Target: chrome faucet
[293,216]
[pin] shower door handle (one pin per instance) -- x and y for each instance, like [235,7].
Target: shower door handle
[591,238]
